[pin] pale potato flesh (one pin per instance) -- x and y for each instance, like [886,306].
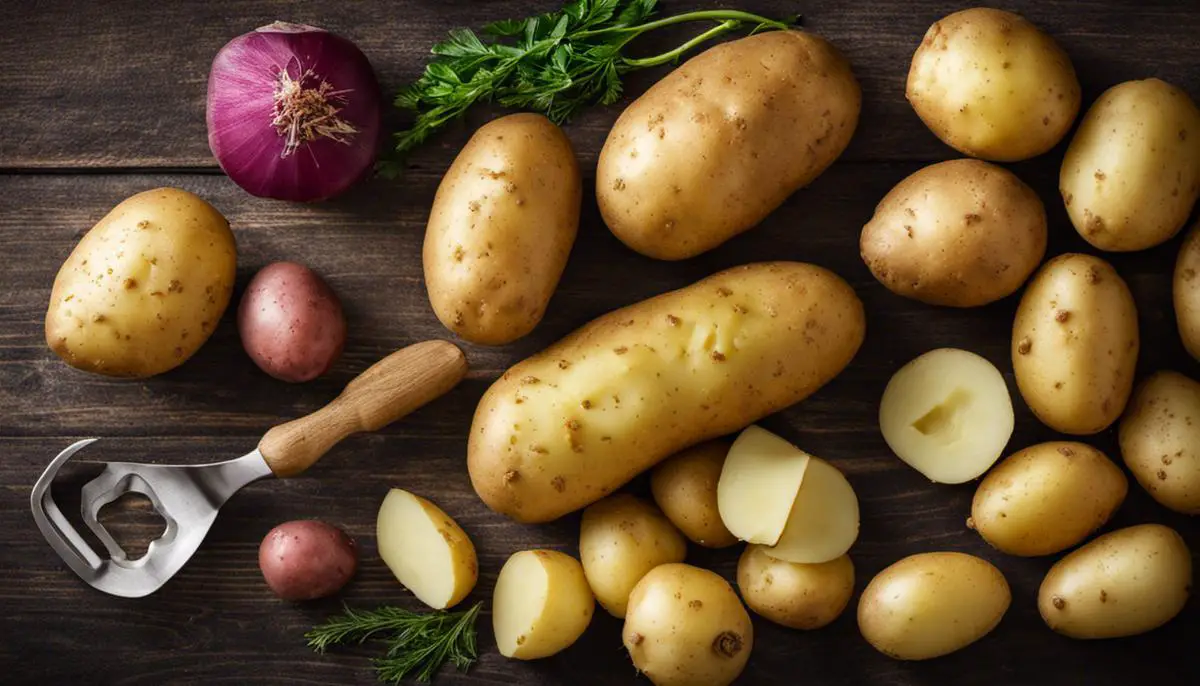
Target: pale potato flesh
[685,488]
[427,551]
[796,595]
[541,604]
[1160,440]
[823,523]
[1186,292]
[758,486]
[947,414]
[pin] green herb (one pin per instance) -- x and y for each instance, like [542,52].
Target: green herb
[419,643]
[555,63]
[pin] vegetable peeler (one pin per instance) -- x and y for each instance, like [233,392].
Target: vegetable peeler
[188,496]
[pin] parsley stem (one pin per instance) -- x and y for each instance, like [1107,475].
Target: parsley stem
[672,55]
[718,15]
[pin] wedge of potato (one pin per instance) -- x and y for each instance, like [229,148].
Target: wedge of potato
[542,604]
[823,523]
[428,552]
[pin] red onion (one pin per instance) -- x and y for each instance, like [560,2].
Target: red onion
[294,112]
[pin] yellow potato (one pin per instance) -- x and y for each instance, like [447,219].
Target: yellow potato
[961,233]
[1160,440]
[501,228]
[1186,292]
[716,145]
[573,423]
[758,485]
[1075,344]
[796,595]
[541,605]
[1132,172]
[686,627]
[992,85]
[620,539]
[931,604]
[685,487]
[145,287]
[1123,583]
[426,550]
[1047,498]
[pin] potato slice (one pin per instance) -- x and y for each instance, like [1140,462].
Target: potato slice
[542,604]
[426,550]
[758,485]
[823,523]
[947,414]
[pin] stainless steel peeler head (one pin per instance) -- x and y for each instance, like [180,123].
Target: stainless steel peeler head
[186,496]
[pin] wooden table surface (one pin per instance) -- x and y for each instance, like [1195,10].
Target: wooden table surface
[105,99]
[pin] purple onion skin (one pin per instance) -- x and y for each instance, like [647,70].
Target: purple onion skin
[241,90]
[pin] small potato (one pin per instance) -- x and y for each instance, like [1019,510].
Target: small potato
[541,605]
[685,487]
[796,595]
[1123,583]
[686,627]
[1160,440]
[426,550]
[620,539]
[992,85]
[291,322]
[961,233]
[1047,498]
[1186,292]
[307,559]
[1075,344]
[931,604]
[1132,172]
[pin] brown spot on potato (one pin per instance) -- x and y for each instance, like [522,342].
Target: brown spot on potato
[1024,346]
[620,350]
[727,644]
[672,320]
[1161,474]
[176,287]
[1066,451]
[1103,596]
[98,318]
[459,253]
[724,292]
[538,449]
[559,483]
[1099,175]
[530,380]
[143,224]
[635,639]
[695,604]
[1058,385]
[1058,602]
[1093,275]
[619,185]
[563,364]
[718,356]
[585,404]
[972,218]
[130,284]
[1067,200]
[1062,316]
[521,640]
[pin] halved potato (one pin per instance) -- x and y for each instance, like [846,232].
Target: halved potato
[542,604]
[758,485]
[823,523]
[427,551]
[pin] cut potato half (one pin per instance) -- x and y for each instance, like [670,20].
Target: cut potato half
[427,551]
[758,485]
[947,414]
[542,604]
[823,523]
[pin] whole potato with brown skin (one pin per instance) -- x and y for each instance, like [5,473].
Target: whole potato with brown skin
[307,559]
[961,233]
[291,322]
[1186,292]
[685,487]
[796,595]
[1160,440]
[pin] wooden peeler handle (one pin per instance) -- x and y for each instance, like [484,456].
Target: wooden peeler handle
[385,392]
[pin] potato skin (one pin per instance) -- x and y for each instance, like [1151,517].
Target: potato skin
[716,145]
[501,227]
[1075,344]
[573,423]
[1047,498]
[145,287]
[992,85]
[799,596]
[291,322]
[685,488]
[1185,289]
[961,233]
[307,559]
[1132,172]
[1160,440]
[564,612]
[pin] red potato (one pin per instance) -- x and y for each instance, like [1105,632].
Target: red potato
[291,322]
[307,559]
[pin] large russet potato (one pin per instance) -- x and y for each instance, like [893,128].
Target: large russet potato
[716,145]
[573,423]
[501,227]
[1160,440]
[145,287]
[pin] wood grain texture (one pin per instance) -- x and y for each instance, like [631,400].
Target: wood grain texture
[118,86]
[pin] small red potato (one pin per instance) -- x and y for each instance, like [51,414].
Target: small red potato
[307,559]
[291,322]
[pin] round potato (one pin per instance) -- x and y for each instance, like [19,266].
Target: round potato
[716,145]
[620,539]
[796,595]
[1075,344]
[1160,440]
[1123,583]
[291,322]
[1186,292]
[686,627]
[932,604]
[306,559]
[501,227]
[685,487]
[961,233]
[1132,172]
[992,85]
[541,605]
[1047,498]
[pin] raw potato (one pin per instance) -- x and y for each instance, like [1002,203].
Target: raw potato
[1132,172]
[306,559]
[823,523]
[1160,440]
[291,322]
[145,287]
[1075,344]
[799,596]
[573,423]
[620,539]
[1186,292]
[1123,583]
[541,605]
[758,485]
[947,414]
[932,604]
[501,228]
[961,233]
[716,145]
[686,627]
[685,487]
[1047,498]
[426,550]
[990,84]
